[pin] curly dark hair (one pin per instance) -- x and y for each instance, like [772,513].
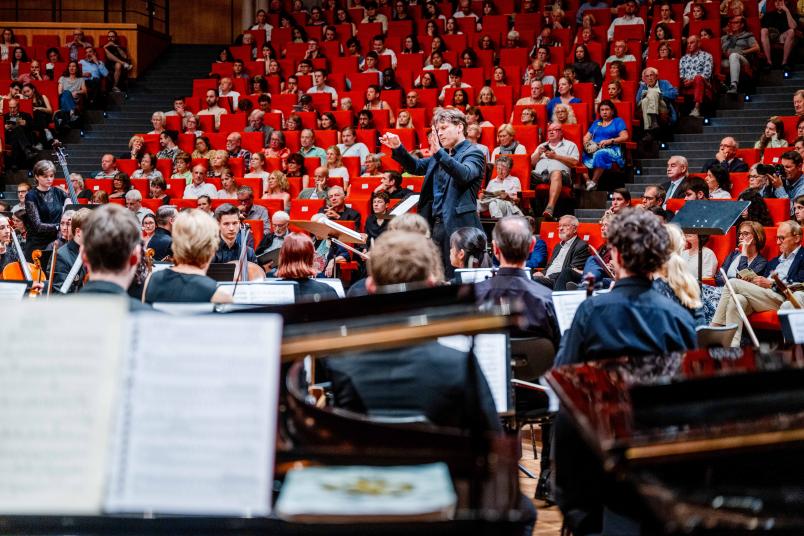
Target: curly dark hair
[757,210]
[641,240]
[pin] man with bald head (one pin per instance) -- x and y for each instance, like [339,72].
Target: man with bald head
[677,170]
[256,124]
[726,157]
[234,147]
[280,221]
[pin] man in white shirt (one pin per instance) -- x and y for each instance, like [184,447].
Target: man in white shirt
[199,186]
[378,45]
[108,167]
[553,162]
[134,204]
[213,108]
[225,89]
[620,54]
[628,18]
[320,86]
[373,16]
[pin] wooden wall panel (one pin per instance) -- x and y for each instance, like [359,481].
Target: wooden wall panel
[205,21]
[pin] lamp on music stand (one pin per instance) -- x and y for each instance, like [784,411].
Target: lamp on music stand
[706,218]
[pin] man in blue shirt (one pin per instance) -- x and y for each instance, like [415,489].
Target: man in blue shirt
[94,72]
[632,319]
[453,175]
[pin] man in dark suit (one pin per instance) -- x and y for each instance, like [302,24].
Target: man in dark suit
[677,169]
[760,294]
[452,177]
[111,250]
[161,242]
[336,208]
[569,256]
[727,157]
[69,254]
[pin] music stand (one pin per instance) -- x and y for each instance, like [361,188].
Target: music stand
[706,218]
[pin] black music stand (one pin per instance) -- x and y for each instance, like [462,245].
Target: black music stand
[706,218]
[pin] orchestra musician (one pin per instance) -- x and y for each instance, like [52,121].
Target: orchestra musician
[195,241]
[63,235]
[111,250]
[228,217]
[633,319]
[8,253]
[43,207]
[67,255]
[296,264]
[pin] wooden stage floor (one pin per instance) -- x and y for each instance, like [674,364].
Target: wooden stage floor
[548,521]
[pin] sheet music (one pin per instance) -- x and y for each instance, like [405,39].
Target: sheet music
[272,292]
[405,205]
[335,283]
[321,218]
[198,418]
[566,303]
[57,394]
[491,350]
[795,320]
[184,309]
[12,291]
[474,275]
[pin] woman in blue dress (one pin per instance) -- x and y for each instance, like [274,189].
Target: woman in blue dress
[602,143]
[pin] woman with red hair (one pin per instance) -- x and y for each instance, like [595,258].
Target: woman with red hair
[296,264]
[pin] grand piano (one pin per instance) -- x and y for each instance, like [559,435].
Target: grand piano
[710,440]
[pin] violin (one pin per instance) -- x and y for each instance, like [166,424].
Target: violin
[247,270]
[24,271]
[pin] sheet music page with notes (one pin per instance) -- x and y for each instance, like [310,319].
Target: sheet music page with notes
[566,302]
[491,351]
[196,430]
[57,396]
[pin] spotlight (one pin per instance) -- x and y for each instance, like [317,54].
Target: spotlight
[662,145]
[638,171]
[787,74]
[747,98]
[706,121]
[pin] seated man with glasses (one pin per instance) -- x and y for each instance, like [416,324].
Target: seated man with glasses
[727,157]
[553,163]
[760,294]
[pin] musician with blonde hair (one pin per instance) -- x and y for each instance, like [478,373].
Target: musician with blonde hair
[675,281]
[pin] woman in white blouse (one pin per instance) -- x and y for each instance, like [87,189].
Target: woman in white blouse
[717,178]
[690,256]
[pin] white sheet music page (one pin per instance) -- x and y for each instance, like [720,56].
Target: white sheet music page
[12,291]
[566,302]
[57,394]
[196,432]
[491,350]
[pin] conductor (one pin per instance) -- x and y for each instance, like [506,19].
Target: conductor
[452,177]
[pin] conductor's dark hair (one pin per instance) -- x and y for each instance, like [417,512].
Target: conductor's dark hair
[641,239]
[513,236]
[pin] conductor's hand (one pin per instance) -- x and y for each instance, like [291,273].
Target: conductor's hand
[390,140]
[435,144]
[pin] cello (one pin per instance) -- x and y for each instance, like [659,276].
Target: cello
[20,270]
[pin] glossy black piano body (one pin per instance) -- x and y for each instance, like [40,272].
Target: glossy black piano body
[712,440]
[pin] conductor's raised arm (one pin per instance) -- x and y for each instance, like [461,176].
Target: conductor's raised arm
[411,164]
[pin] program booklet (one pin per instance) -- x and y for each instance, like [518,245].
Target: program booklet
[352,494]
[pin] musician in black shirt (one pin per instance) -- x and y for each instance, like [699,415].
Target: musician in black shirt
[67,256]
[43,207]
[8,253]
[228,217]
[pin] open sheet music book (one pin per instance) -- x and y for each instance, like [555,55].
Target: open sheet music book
[151,414]
[491,351]
[405,206]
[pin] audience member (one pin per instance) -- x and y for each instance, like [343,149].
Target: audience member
[727,157]
[568,257]
[695,70]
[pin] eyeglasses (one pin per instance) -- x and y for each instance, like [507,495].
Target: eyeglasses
[754,176]
[725,145]
[782,238]
[648,197]
[744,233]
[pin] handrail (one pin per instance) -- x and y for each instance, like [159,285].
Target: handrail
[151,8]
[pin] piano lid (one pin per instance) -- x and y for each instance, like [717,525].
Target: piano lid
[661,408]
